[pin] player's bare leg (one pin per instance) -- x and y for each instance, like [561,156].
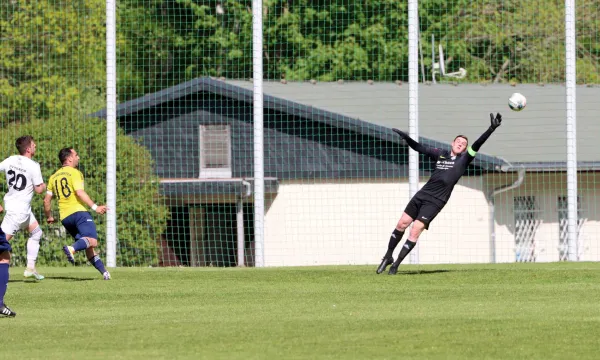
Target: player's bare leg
[415,231]
[30,272]
[95,260]
[33,248]
[403,223]
[81,243]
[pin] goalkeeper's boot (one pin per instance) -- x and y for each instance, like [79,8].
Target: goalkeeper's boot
[69,251]
[384,264]
[5,311]
[33,274]
[394,268]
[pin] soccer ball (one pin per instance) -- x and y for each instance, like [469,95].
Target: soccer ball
[517,102]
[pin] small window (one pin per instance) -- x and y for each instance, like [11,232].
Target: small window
[215,151]
[527,221]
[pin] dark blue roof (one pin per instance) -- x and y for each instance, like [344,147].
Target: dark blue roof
[209,85]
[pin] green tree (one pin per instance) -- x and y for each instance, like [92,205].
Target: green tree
[164,43]
[511,41]
[141,216]
[168,42]
[51,58]
[331,40]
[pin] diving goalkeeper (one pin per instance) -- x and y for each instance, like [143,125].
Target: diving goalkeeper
[431,199]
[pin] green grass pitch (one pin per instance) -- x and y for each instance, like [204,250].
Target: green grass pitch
[510,311]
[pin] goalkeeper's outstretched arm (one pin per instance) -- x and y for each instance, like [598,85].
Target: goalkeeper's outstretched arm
[421,149]
[494,123]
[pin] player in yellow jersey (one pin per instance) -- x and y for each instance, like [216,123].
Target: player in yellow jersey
[67,186]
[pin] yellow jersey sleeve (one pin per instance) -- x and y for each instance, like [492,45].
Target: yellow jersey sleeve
[50,187]
[77,180]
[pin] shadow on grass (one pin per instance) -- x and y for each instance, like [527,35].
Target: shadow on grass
[69,278]
[422,272]
[66,278]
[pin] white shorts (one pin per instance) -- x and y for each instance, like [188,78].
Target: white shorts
[14,222]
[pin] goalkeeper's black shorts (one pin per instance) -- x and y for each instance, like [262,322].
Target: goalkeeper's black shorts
[424,207]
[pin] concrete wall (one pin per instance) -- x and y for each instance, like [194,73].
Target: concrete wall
[547,187]
[349,222]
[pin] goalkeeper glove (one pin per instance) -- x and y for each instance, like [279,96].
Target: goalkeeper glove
[495,121]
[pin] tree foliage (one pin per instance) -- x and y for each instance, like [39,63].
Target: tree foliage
[513,41]
[142,215]
[51,57]
[52,50]
[164,43]
[169,41]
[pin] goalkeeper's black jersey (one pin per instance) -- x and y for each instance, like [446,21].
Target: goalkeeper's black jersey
[448,170]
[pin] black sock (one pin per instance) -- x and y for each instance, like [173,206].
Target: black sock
[394,240]
[406,248]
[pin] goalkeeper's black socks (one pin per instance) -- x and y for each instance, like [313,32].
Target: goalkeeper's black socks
[406,248]
[394,240]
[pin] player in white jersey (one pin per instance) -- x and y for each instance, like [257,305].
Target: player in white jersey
[23,177]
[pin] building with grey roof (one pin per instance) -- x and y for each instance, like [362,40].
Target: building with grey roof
[336,175]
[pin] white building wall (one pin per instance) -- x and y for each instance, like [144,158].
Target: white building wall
[590,231]
[459,234]
[350,222]
[547,187]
